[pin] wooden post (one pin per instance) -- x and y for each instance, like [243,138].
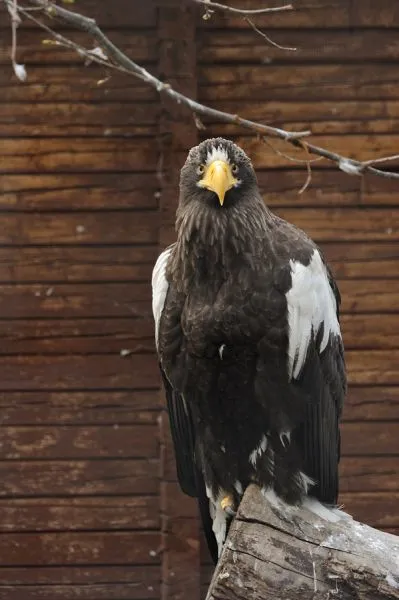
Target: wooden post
[177,134]
[278,552]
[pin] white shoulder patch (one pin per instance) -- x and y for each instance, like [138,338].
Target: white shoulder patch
[159,287]
[311,302]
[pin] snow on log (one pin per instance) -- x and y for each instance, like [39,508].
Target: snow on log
[279,552]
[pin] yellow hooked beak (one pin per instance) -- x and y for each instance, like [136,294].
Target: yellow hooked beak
[218,178]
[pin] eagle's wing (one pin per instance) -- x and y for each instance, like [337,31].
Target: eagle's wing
[316,368]
[319,436]
[181,425]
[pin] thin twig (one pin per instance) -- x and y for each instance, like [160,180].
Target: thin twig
[309,175]
[291,158]
[374,161]
[266,37]
[19,69]
[242,11]
[121,62]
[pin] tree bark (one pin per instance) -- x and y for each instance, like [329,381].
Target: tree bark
[275,551]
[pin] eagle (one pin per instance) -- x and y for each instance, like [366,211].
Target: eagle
[247,333]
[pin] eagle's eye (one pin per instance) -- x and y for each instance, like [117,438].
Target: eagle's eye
[234,169]
[201,169]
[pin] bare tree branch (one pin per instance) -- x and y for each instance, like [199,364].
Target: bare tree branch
[266,37]
[242,11]
[117,60]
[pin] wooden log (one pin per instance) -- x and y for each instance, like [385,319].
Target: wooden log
[308,553]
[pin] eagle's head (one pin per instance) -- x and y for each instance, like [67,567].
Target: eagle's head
[218,173]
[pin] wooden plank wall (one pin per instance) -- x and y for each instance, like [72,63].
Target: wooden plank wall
[341,83]
[79,392]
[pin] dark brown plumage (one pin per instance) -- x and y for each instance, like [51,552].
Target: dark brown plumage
[249,344]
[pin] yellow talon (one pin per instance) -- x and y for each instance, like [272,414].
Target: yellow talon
[227,504]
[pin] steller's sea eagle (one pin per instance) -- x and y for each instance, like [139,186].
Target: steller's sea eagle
[249,345]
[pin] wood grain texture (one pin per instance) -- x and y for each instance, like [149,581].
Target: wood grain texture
[53,264]
[83,336]
[104,590]
[311,82]
[72,478]
[46,84]
[312,45]
[324,15]
[370,473]
[99,407]
[271,546]
[78,372]
[70,442]
[78,191]
[137,43]
[133,263]
[74,514]
[119,14]
[80,548]
[80,154]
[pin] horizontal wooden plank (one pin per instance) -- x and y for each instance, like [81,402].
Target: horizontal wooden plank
[370,269]
[52,264]
[356,252]
[77,263]
[119,13]
[102,336]
[134,300]
[361,147]
[334,14]
[140,227]
[322,116]
[74,478]
[75,82]
[328,127]
[83,154]
[334,188]
[62,443]
[102,591]
[369,473]
[79,514]
[77,120]
[140,44]
[78,300]
[78,548]
[368,438]
[78,191]
[344,224]
[310,82]
[373,367]
[97,371]
[370,403]
[94,371]
[369,331]
[311,45]
[80,408]
[126,336]
[140,576]
[375,509]
[373,296]
[89,591]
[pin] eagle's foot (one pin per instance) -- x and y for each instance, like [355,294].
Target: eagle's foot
[227,504]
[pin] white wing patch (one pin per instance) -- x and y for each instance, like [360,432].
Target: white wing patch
[159,287]
[310,302]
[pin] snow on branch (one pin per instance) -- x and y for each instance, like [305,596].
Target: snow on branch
[108,54]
